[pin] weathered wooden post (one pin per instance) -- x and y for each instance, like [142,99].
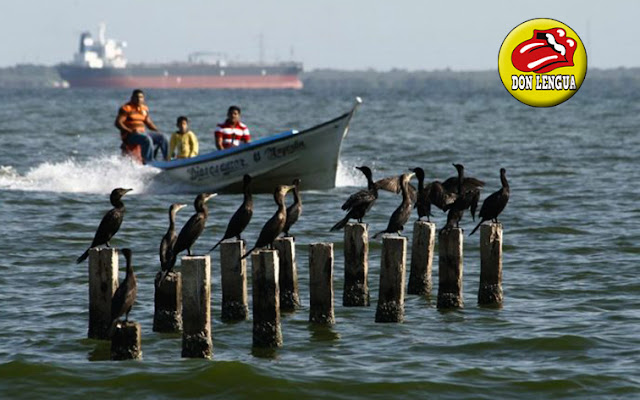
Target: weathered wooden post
[103,282]
[196,307]
[356,265]
[288,279]
[424,234]
[125,342]
[490,291]
[235,306]
[450,269]
[392,278]
[266,299]
[167,316]
[321,283]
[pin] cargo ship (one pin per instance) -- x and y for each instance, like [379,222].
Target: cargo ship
[101,63]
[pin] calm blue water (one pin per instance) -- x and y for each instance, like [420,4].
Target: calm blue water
[568,327]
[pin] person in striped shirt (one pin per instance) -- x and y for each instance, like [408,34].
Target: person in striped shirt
[231,132]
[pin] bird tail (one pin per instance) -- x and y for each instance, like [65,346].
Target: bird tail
[341,224]
[83,257]
[166,269]
[247,253]
[112,328]
[163,276]
[476,228]
[217,244]
[378,234]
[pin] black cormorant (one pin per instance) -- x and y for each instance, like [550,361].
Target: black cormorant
[432,193]
[392,184]
[274,226]
[169,238]
[190,232]
[359,203]
[401,214]
[295,209]
[242,216]
[125,295]
[110,222]
[468,183]
[465,199]
[493,205]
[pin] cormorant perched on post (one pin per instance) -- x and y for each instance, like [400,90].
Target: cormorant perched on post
[359,203]
[169,239]
[433,193]
[401,214]
[190,232]
[295,209]
[274,226]
[110,222]
[242,216]
[493,205]
[465,199]
[125,295]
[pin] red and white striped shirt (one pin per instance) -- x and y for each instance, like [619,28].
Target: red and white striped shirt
[232,135]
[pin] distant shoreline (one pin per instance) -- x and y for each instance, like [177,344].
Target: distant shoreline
[42,76]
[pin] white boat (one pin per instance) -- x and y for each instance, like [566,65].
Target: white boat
[311,155]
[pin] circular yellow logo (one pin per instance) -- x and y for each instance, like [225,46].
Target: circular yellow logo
[542,62]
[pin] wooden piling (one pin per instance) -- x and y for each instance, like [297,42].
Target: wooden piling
[392,278]
[424,234]
[490,291]
[125,342]
[450,268]
[103,282]
[235,306]
[167,317]
[356,265]
[321,283]
[196,307]
[266,299]
[288,279]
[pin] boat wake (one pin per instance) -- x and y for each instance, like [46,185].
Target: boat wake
[348,175]
[97,175]
[106,172]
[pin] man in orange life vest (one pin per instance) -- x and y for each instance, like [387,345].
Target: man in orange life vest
[232,132]
[132,119]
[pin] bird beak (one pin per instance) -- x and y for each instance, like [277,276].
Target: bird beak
[180,207]
[411,175]
[288,187]
[209,196]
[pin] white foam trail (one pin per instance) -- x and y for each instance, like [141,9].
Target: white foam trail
[98,175]
[348,175]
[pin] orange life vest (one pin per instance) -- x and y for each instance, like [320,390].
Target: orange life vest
[136,115]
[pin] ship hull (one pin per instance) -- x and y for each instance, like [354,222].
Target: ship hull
[184,77]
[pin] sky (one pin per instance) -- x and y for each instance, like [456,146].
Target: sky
[339,34]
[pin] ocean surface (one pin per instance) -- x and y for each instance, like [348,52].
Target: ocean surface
[568,328]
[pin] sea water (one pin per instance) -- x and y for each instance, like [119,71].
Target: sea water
[568,326]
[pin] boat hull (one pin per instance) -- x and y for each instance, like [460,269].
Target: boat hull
[311,155]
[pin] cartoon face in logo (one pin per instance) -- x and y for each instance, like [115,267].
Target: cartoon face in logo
[545,51]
